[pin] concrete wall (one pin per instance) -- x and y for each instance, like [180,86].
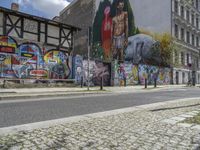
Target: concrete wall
[1,23]
[81,15]
[152,15]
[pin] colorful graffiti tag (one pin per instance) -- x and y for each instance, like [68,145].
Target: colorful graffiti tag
[27,61]
[7,44]
[57,63]
[126,72]
[164,76]
[78,69]
[136,74]
[97,71]
[152,73]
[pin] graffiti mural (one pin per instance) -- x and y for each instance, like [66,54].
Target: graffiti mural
[164,76]
[126,72]
[113,24]
[97,71]
[131,74]
[7,44]
[26,61]
[152,73]
[57,64]
[115,36]
[78,68]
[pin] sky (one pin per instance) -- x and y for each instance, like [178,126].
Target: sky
[42,8]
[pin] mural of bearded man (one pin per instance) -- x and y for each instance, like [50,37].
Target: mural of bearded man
[120,32]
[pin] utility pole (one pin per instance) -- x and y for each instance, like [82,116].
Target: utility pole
[89,43]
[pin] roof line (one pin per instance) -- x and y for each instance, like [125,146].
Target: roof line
[36,17]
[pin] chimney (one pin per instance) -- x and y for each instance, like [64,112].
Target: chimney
[15,6]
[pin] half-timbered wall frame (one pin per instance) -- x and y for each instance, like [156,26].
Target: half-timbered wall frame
[24,26]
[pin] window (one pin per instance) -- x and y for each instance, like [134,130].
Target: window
[176,57]
[197,22]
[197,41]
[193,19]
[188,57]
[182,58]
[197,4]
[182,11]
[176,6]
[193,39]
[188,37]
[182,34]
[188,15]
[192,2]
[176,30]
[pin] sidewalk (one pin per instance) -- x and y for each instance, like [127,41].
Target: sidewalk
[8,94]
[148,127]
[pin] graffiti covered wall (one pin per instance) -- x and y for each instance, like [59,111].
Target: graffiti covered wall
[126,71]
[136,74]
[29,60]
[97,70]
[78,68]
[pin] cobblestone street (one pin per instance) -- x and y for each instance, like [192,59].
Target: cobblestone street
[148,127]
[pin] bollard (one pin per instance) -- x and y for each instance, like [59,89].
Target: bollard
[4,83]
[145,83]
[193,79]
[125,82]
[101,85]
[81,82]
[155,83]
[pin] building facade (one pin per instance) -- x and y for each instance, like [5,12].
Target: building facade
[32,47]
[179,18]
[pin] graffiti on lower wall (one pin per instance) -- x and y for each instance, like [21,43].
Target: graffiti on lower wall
[136,74]
[152,73]
[164,76]
[78,68]
[27,60]
[126,72]
[97,71]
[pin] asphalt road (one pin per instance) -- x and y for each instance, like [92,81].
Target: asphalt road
[17,113]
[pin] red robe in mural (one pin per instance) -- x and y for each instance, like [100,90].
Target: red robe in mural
[106,34]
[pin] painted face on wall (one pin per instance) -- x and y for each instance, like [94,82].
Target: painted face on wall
[120,6]
[107,11]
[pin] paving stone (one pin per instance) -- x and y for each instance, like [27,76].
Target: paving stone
[185,125]
[170,121]
[178,118]
[138,129]
[196,127]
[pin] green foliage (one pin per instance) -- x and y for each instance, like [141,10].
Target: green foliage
[137,31]
[97,51]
